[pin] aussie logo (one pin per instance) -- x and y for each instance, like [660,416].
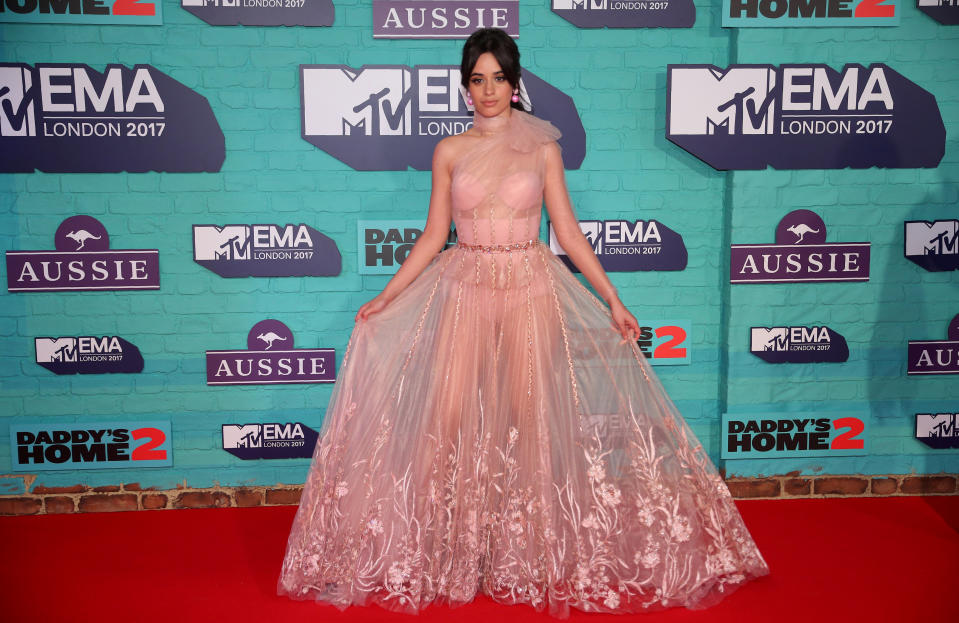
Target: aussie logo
[82,260]
[778,13]
[933,245]
[938,430]
[262,12]
[265,251]
[91,445]
[390,117]
[774,435]
[627,13]
[442,19]
[88,354]
[68,118]
[292,440]
[802,117]
[129,12]
[623,245]
[943,11]
[270,359]
[935,356]
[801,254]
[797,344]
[383,246]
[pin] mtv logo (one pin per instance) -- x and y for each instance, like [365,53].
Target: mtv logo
[570,5]
[707,100]
[372,101]
[60,350]
[16,102]
[230,242]
[937,425]
[763,339]
[936,238]
[245,436]
[593,230]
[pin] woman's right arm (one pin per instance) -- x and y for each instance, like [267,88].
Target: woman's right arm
[434,236]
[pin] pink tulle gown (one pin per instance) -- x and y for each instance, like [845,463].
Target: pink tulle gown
[490,431]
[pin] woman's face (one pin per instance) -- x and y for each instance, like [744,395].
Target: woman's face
[488,87]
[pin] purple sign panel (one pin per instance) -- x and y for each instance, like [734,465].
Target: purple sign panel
[292,440]
[91,445]
[627,13]
[934,246]
[803,117]
[938,430]
[69,118]
[262,12]
[798,344]
[82,261]
[87,354]
[441,19]
[945,12]
[270,359]
[390,117]
[800,254]
[265,251]
[623,245]
[936,356]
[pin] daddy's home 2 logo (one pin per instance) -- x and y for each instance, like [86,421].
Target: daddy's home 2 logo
[390,117]
[270,359]
[265,251]
[117,12]
[933,245]
[90,445]
[442,19]
[88,354]
[778,13]
[69,118]
[935,356]
[779,435]
[945,12]
[82,260]
[292,440]
[801,254]
[797,344]
[938,430]
[262,12]
[624,245]
[384,245]
[806,116]
[627,13]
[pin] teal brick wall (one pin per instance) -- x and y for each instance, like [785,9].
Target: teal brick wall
[617,79]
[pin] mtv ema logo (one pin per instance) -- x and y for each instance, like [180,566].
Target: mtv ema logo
[778,13]
[943,11]
[382,246]
[623,245]
[934,246]
[262,12]
[938,430]
[82,261]
[270,359]
[773,435]
[797,344]
[627,13]
[802,117]
[265,251]
[442,19]
[390,117]
[91,445]
[88,354]
[292,440]
[117,12]
[935,356]
[68,118]
[801,253]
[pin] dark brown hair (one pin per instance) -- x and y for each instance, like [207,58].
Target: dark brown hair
[503,49]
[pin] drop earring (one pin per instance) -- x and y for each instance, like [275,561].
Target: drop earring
[515,98]
[469,99]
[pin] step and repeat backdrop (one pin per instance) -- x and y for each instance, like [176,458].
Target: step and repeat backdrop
[197,195]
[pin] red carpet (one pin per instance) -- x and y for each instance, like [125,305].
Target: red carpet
[865,559]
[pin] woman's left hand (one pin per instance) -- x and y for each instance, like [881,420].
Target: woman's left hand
[624,322]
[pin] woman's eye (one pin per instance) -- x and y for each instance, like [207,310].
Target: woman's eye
[500,79]
[477,81]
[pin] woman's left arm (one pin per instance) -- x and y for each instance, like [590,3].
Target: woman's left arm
[577,247]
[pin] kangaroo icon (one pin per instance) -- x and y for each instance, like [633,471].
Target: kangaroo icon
[269,337]
[81,236]
[801,230]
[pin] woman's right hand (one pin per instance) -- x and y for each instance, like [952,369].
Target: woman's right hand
[373,306]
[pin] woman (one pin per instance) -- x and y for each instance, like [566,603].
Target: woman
[489,430]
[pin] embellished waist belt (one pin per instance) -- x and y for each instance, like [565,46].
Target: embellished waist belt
[498,248]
